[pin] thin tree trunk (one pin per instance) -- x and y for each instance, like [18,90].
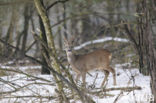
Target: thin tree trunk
[64,16]
[18,40]
[43,70]
[42,12]
[44,38]
[9,35]
[0,37]
[25,31]
[59,30]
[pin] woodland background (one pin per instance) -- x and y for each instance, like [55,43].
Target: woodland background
[34,30]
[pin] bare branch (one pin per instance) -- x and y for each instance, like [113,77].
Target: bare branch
[56,2]
[130,35]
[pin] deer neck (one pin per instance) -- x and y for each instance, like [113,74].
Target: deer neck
[71,58]
[72,61]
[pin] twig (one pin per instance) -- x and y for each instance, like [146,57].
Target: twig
[131,36]
[21,72]
[9,83]
[56,2]
[31,96]
[93,85]
[24,86]
[15,2]
[119,88]
[31,45]
[118,97]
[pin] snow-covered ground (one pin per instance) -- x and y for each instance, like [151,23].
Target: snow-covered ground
[126,78]
[22,88]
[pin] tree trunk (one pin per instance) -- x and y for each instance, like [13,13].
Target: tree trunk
[25,31]
[59,29]
[0,37]
[64,16]
[9,36]
[151,57]
[148,43]
[86,29]
[43,70]
[44,38]
[52,51]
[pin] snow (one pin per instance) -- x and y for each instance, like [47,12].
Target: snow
[39,87]
[105,39]
[21,67]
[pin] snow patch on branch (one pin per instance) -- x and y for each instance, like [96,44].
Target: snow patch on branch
[101,41]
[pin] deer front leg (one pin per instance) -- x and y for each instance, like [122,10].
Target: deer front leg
[106,77]
[84,79]
[77,77]
[114,74]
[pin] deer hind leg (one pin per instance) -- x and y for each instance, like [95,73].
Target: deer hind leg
[106,77]
[110,69]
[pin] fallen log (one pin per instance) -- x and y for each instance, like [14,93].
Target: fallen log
[124,89]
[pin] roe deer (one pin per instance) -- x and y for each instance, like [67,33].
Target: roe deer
[81,64]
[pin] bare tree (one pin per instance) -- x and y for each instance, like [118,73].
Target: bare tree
[144,44]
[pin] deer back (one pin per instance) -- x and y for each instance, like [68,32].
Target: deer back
[98,59]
